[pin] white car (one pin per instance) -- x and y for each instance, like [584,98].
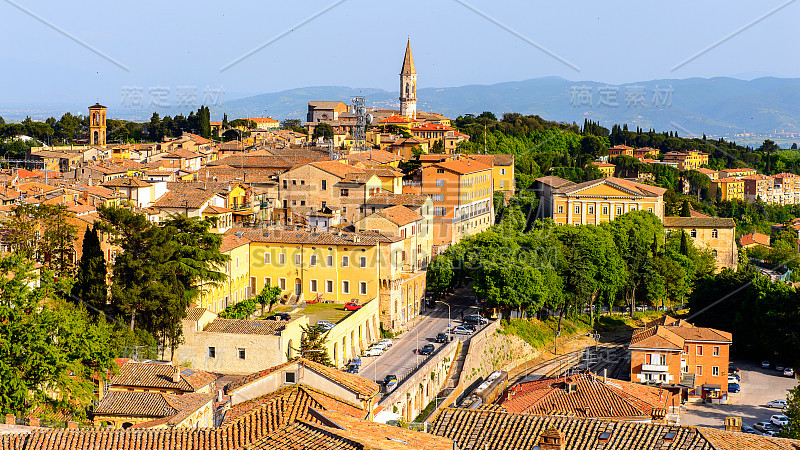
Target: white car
[779,420]
[381,345]
[461,330]
[324,324]
[387,342]
[374,351]
[777,404]
[732,379]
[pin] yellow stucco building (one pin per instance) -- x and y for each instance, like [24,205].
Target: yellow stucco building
[727,189]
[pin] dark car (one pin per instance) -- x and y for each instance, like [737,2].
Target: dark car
[441,338]
[390,382]
[749,430]
[475,319]
[733,370]
[470,327]
[280,316]
[426,349]
[352,368]
[733,388]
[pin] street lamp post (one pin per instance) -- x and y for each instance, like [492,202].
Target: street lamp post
[448,313]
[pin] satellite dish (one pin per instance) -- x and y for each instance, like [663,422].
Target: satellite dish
[362,110]
[369,118]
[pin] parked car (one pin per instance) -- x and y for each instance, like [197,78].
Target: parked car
[441,338]
[732,380]
[779,367]
[386,342]
[280,316]
[734,388]
[374,351]
[475,319]
[325,325]
[356,361]
[764,426]
[779,420]
[788,372]
[470,327]
[381,345]
[390,382]
[461,329]
[352,368]
[426,349]
[776,404]
[350,306]
[748,430]
[733,370]
[765,364]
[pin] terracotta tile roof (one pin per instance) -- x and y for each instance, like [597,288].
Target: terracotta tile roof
[262,162]
[194,198]
[337,168]
[381,156]
[724,440]
[194,313]
[613,399]
[360,385]
[755,238]
[232,241]
[327,104]
[125,182]
[656,337]
[385,172]
[308,237]
[701,334]
[261,119]
[217,210]
[199,140]
[286,405]
[394,118]
[554,181]
[388,198]
[399,215]
[635,188]
[435,157]
[171,407]
[431,127]
[620,147]
[699,222]
[242,326]
[461,166]
[302,435]
[159,376]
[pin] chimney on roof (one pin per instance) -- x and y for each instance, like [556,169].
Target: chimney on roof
[552,439]
[733,424]
[176,376]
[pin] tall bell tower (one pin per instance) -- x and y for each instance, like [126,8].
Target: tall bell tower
[408,86]
[97,124]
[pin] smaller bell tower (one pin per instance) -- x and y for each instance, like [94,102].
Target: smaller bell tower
[97,124]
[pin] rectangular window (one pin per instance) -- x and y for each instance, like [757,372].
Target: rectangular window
[715,350]
[577,209]
[267,258]
[699,350]
[294,182]
[329,260]
[698,371]
[502,171]
[212,352]
[282,259]
[362,288]
[313,285]
[313,260]
[345,287]
[329,286]
[298,259]
[439,183]
[344,193]
[282,283]
[439,211]
[560,209]
[685,349]
[714,371]
[437,197]
[591,210]
[267,281]
[619,210]
[241,353]
[362,262]
[345,261]
[605,210]
[324,185]
[649,209]
[289,377]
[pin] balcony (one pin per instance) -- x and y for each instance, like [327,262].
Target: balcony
[655,368]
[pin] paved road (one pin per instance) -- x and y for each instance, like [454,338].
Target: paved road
[758,387]
[400,358]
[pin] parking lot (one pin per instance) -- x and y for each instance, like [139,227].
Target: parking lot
[759,386]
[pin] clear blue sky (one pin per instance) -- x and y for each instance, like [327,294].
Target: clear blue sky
[360,43]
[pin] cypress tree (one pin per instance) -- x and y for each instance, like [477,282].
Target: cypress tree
[686,210]
[684,244]
[90,286]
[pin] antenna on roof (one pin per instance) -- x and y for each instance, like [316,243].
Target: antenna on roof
[484,136]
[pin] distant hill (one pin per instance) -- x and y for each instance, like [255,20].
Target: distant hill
[744,111]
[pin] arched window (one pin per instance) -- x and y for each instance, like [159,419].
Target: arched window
[714,233]
[714,253]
